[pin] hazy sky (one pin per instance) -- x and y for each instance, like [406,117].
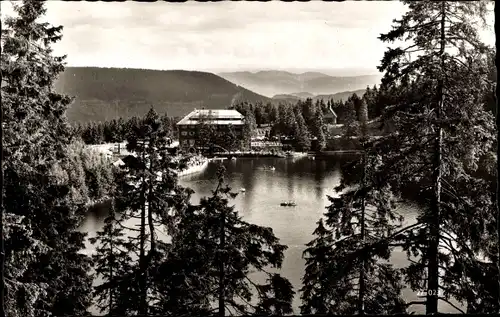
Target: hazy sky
[224,35]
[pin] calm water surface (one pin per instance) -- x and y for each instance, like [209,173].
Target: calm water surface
[305,181]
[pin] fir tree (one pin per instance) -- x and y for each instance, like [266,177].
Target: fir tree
[441,132]
[319,129]
[44,272]
[285,120]
[148,192]
[113,263]
[370,97]
[207,133]
[343,275]
[363,117]
[272,113]
[249,128]
[228,139]
[351,128]
[301,133]
[223,250]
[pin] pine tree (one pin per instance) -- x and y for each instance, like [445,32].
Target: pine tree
[259,114]
[207,134]
[345,272]
[221,249]
[307,109]
[319,128]
[370,98]
[442,131]
[148,192]
[351,128]
[228,139]
[285,120]
[272,112]
[86,134]
[113,263]
[249,128]
[121,130]
[356,102]
[300,132]
[44,272]
[363,117]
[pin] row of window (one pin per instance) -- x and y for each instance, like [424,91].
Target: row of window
[191,133]
[193,126]
[188,142]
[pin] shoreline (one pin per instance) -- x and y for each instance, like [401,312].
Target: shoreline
[194,167]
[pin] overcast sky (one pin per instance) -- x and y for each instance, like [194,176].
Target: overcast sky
[225,35]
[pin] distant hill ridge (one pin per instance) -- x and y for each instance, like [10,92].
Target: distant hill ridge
[273,82]
[344,95]
[106,93]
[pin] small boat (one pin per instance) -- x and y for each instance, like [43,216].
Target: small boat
[233,158]
[242,190]
[288,204]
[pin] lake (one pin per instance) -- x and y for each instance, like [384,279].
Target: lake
[305,181]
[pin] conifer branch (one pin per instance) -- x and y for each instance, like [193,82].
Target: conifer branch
[415,303]
[452,305]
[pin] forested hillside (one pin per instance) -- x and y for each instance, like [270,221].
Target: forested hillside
[108,93]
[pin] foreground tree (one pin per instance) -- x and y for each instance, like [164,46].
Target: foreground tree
[345,269]
[442,132]
[113,263]
[45,272]
[223,250]
[147,192]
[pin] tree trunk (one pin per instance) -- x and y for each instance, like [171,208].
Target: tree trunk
[361,295]
[222,309]
[498,212]
[150,211]
[111,264]
[142,257]
[2,245]
[433,251]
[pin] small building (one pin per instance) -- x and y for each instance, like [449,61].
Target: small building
[330,116]
[222,119]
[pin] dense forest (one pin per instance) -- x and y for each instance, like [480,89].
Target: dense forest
[105,93]
[187,259]
[116,130]
[303,122]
